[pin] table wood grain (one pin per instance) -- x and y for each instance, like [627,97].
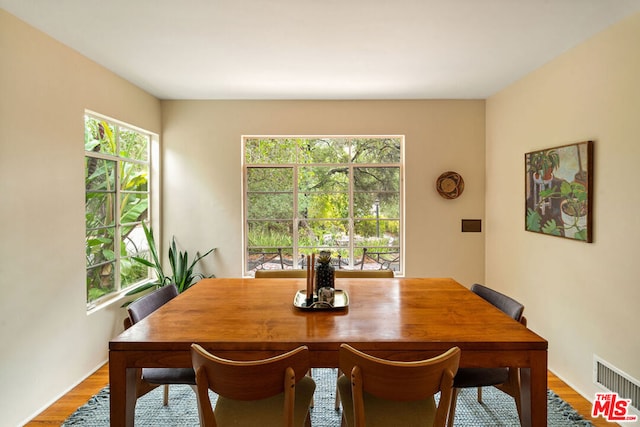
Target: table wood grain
[400,319]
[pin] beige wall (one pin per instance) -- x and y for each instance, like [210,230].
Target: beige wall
[582,297]
[202,172]
[48,341]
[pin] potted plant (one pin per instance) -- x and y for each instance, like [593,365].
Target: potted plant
[543,163]
[573,207]
[182,274]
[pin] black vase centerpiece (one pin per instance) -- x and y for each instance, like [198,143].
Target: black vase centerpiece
[325,272]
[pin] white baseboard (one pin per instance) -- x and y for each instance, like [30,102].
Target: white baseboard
[55,399]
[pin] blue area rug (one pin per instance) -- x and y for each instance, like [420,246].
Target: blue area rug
[497,409]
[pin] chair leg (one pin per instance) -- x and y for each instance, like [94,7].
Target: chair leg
[195,390]
[452,407]
[165,400]
[343,421]
[337,404]
[312,404]
[518,400]
[512,388]
[479,394]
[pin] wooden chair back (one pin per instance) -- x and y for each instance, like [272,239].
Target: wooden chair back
[399,381]
[280,274]
[364,274]
[248,380]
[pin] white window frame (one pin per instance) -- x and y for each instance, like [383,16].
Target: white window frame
[153,202]
[402,235]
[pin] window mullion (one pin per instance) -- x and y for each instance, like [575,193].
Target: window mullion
[118,228]
[351,215]
[296,219]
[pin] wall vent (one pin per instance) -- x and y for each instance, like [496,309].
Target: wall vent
[613,379]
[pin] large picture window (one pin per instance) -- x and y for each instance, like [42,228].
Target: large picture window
[116,203]
[306,194]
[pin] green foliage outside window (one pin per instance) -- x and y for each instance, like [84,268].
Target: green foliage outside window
[116,203]
[342,194]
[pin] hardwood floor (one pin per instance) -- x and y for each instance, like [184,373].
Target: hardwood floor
[55,414]
[65,406]
[579,403]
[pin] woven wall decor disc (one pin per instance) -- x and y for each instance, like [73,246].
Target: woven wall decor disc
[450,185]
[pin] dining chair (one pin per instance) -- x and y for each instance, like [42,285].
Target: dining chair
[280,274]
[505,379]
[379,392]
[297,273]
[268,392]
[150,378]
[364,274]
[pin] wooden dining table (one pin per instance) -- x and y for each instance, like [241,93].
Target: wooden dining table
[400,319]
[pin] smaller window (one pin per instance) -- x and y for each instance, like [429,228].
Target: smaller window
[116,204]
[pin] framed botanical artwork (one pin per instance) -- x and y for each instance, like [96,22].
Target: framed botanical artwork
[558,196]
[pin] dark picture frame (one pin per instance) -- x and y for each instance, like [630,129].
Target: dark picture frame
[558,191]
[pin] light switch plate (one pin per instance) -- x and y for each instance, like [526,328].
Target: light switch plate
[471,225]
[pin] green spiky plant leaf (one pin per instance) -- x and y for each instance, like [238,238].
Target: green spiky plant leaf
[182,274]
[154,263]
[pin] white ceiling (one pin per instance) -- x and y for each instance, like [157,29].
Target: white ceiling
[321,49]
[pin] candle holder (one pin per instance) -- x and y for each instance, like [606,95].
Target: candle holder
[326,295]
[340,301]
